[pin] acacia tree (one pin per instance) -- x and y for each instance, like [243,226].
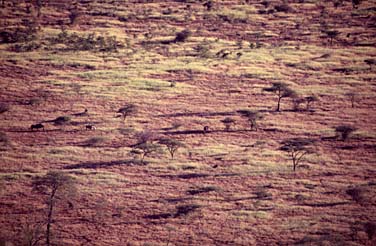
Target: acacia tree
[297,148]
[310,100]
[56,185]
[331,34]
[352,97]
[172,145]
[282,90]
[127,110]
[145,149]
[251,116]
[228,122]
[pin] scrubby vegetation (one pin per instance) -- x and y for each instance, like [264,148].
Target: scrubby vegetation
[187,123]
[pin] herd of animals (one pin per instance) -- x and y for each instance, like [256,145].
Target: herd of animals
[40,126]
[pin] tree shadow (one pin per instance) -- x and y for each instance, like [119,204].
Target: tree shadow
[95,165]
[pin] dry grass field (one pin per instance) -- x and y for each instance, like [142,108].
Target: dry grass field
[151,73]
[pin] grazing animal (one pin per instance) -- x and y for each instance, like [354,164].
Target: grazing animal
[206,129]
[37,126]
[90,127]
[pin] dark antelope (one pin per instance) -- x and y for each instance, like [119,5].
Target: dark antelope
[206,129]
[37,126]
[90,127]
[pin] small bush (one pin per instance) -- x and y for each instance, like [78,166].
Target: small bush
[25,47]
[356,193]
[344,131]
[370,229]
[4,140]
[95,141]
[61,120]
[4,108]
[182,36]
[201,190]
[283,8]
[186,209]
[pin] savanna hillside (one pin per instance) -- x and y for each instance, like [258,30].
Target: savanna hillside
[119,93]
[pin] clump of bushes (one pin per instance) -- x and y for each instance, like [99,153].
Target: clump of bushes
[90,42]
[24,34]
[25,47]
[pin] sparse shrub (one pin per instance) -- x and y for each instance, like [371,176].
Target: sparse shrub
[282,90]
[263,194]
[370,62]
[73,15]
[251,116]
[370,229]
[356,193]
[331,35]
[25,47]
[32,234]
[127,110]
[297,148]
[95,141]
[266,4]
[18,35]
[344,131]
[145,136]
[4,108]
[352,97]
[4,140]
[228,122]
[200,190]
[355,3]
[57,186]
[203,50]
[35,101]
[172,145]
[182,36]
[90,42]
[337,3]
[186,209]
[297,101]
[209,5]
[310,100]
[283,8]
[62,120]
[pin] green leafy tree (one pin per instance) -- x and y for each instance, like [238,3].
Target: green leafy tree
[56,186]
[282,90]
[297,148]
